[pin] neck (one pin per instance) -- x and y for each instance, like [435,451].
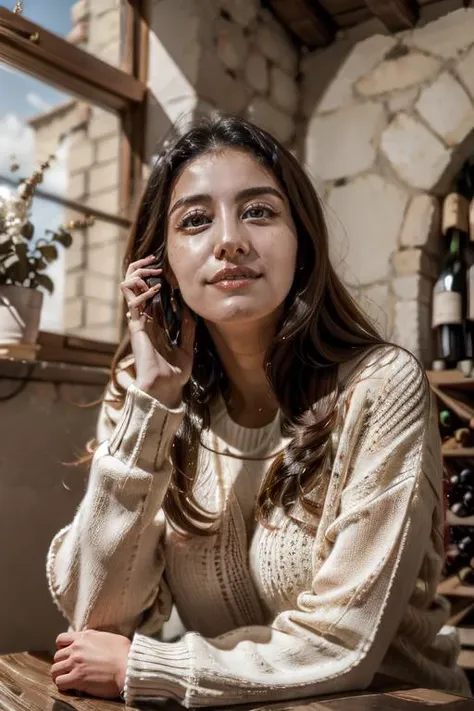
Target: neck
[242,350]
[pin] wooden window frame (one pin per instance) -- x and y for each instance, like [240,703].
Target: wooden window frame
[29,47]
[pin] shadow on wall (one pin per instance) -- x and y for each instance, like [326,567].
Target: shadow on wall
[41,427]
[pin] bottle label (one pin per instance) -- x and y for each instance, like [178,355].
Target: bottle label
[447,308]
[470,292]
[455,213]
[471,220]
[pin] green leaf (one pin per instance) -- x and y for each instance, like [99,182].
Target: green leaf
[28,230]
[49,252]
[21,251]
[37,264]
[6,247]
[44,281]
[63,238]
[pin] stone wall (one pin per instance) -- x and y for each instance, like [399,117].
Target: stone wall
[230,55]
[389,121]
[93,263]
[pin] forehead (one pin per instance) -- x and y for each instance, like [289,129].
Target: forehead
[220,173]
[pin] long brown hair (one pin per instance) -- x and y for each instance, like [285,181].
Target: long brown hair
[321,327]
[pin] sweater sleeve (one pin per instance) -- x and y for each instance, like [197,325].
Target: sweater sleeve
[105,570]
[336,637]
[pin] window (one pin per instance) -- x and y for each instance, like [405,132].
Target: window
[60,98]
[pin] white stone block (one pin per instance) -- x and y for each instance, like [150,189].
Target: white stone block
[256,72]
[104,29]
[421,227]
[79,11]
[275,45]
[414,261]
[447,108]
[218,87]
[81,155]
[102,124]
[402,100]
[395,74]
[344,143]
[364,218]
[412,329]
[108,149]
[277,122]
[376,302]
[232,45]
[360,60]
[413,287]
[242,11]
[76,185]
[446,37]
[417,156]
[465,70]
[284,90]
[104,177]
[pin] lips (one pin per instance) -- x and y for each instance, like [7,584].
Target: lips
[234,273]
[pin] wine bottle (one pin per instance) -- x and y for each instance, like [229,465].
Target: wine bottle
[462,502]
[449,422]
[464,478]
[466,183]
[449,295]
[455,561]
[466,576]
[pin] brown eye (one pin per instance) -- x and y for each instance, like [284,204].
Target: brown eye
[194,221]
[258,212]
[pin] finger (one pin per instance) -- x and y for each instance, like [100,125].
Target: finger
[61,668]
[146,261]
[139,300]
[149,271]
[65,639]
[62,654]
[68,681]
[128,285]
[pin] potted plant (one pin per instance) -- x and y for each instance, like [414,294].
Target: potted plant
[24,259]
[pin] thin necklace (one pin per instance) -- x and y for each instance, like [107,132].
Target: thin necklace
[240,456]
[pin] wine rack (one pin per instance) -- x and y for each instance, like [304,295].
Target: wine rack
[455,393]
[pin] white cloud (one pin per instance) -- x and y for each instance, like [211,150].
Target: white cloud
[37,102]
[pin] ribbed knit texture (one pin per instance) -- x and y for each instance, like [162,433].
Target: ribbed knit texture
[317,606]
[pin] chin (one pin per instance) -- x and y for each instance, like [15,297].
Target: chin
[238,313]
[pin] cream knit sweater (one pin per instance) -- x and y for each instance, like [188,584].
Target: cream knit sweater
[317,606]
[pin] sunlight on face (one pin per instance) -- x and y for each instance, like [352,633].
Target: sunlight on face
[226,210]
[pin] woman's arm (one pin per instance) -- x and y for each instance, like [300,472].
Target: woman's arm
[105,570]
[337,636]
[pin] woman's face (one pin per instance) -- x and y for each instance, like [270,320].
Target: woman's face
[228,213]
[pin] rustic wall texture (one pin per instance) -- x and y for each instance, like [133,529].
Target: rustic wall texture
[389,121]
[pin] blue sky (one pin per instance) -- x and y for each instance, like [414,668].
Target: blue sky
[53,15]
[22,98]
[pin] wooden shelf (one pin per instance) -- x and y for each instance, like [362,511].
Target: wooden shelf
[458,521]
[452,586]
[463,452]
[450,379]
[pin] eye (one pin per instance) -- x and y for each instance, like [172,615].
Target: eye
[259,212]
[193,220]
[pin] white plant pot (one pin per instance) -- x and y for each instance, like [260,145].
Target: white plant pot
[20,311]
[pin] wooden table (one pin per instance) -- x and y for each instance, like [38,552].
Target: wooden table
[25,685]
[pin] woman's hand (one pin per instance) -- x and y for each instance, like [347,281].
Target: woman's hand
[160,372]
[92,662]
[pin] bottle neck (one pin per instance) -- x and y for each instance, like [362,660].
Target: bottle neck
[456,243]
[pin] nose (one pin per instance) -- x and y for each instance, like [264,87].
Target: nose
[231,243]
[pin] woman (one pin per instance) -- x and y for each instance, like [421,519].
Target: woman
[276,477]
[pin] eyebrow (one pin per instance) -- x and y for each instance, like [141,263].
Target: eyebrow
[241,195]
